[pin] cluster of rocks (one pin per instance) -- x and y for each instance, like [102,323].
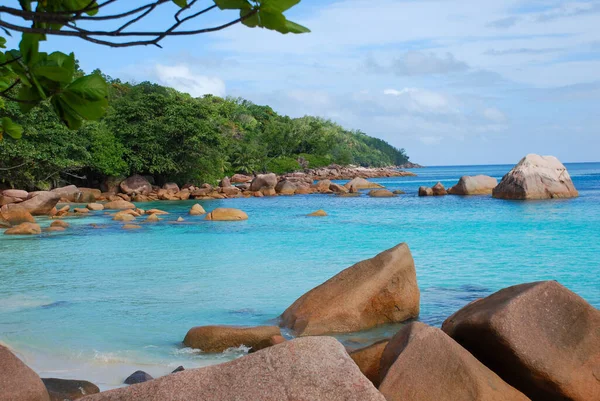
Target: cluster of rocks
[336,172]
[535,341]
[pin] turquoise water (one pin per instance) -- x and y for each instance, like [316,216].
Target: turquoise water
[96,303]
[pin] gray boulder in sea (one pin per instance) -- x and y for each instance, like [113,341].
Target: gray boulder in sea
[375,291]
[139,376]
[17,381]
[474,185]
[69,390]
[536,177]
[309,369]
[423,363]
[541,338]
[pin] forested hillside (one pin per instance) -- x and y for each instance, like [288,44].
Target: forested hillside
[154,130]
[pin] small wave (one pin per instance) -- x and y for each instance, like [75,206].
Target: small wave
[237,350]
[19,302]
[110,357]
[188,351]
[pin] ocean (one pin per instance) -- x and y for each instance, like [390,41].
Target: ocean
[98,303]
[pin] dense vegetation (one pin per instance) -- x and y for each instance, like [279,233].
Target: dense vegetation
[154,130]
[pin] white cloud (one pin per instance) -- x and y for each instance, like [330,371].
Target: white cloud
[421,100]
[183,79]
[495,115]
[425,63]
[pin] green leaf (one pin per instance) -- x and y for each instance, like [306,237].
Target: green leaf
[2,43]
[280,5]
[251,21]
[29,46]
[233,4]
[57,67]
[93,11]
[90,87]
[271,19]
[68,116]
[30,95]
[180,3]
[11,128]
[292,27]
[88,110]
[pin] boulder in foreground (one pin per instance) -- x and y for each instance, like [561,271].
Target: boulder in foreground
[24,229]
[536,177]
[368,360]
[226,214]
[17,381]
[379,290]
[307,369]
[474,185]
[61,390]
[16,214]
[423,363]
[539,337]
[220,338]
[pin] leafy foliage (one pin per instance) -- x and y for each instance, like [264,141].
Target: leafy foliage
[153,130]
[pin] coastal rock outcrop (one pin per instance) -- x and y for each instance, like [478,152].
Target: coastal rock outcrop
[16,193]
[308,369]
[423,363]
[361,183]
[381,193]
[119,205]
[69,390]
[197,210]
[17,381]
[16,214]
[136,184]
[171,186]
[474,185]
[425,191]
[541,338]
[41,203]
[285,187]
[379,290]
[220,338]
[24,229]
[241,178]
[226,214]
[439,190]
[368,360]
[263,181]
[536,177]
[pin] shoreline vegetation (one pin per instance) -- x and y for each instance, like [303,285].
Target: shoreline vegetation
[171,136]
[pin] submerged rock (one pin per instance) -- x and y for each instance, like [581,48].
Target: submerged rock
[310,369]
[119,205]
[474,185]
[422,363]
[318,213]
[138,376]
[536,177]
[95,206]
[17,381]
[381,193]
[69,390]
[379,290]
[226,214]
[220,338]
[153,218]
[197,210]
[361,183]
[24,229]
[59,223]
[539,337]
[368,360]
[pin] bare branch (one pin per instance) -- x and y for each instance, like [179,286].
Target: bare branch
[13,167]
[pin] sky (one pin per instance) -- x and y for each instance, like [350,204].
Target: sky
[451,81]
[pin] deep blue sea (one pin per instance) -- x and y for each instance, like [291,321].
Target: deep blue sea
[97,304]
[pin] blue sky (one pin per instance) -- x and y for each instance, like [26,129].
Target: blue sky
[453,82]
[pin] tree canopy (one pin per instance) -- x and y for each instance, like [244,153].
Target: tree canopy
[29,77]
[153,130]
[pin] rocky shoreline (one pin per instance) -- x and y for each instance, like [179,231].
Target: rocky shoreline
[507,346]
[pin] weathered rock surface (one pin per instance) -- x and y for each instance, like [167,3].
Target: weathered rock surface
[368,360]
[474,185]
[361,183]
[131,227]
[285,187]
[226,214]
[119,205]
[16,214]
[17,381]
[241,178]
[266,343]
[539,337]
[95,206]
[439,190]
[69,390]
[24,229]
[197,210]
[139,376]
[220,338]
[379,290]
[16,193]
[307,369]
[225,182]
[381,193]
[136,184]
[422,363]
[536,177]
[263,181]
[40,203]
[171,186]
[425,191]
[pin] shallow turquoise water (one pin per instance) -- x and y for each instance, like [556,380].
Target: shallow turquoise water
[96,303]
